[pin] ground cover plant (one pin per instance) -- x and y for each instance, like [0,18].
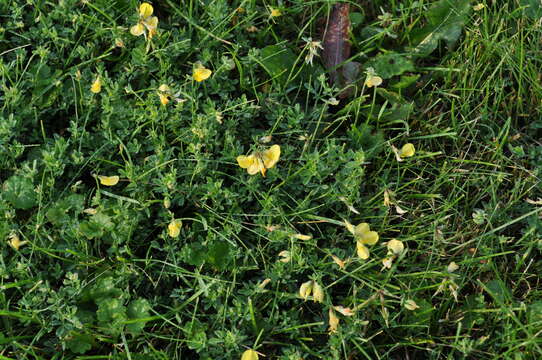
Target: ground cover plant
[192,180]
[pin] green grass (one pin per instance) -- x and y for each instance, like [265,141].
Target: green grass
[98,275]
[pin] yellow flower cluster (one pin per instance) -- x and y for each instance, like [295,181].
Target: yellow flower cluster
[147,24]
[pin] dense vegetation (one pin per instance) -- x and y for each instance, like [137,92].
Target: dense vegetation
[129,229]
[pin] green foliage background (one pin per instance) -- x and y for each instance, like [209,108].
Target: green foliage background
[463,86]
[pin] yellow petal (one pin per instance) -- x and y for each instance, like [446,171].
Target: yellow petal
[369,238]
[333,321]
[407,150]
[395,246]
[164,99]
[373,81]
[271,156]
[302,237]
[305,289]
[362,251]
[151,23]
[249,355]
[275,12]
[164,88]
[96,86]
[145,10]
[350,227]
[245,161]
[361,229]
[15,242]
[174,228]
[452,267]
[137,30]
[256,167]
[108,180]
[411,305]
[201,74]
[478,7]
[317,293]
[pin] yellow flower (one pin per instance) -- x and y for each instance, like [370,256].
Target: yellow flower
[395,247]
[363,234]
[372,78]
[333,321]
[275,12]
[200,73]
[260,161]
[478,7]
[96,86]
[174,228]
[164,94]
[15,242]
[305,289]
[407,150]
[317,292]
[250,355]
[146,22]
[108,180]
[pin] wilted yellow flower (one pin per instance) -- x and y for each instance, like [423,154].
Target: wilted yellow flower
[108,180]
[478,7]
[407,150]
[146,22]
[250,355]
[317,292]
[388,262]
[411,305]
[452,267]
[264,283]
[333,321]
[338,261]
[312,51]
[285,256]
[260,161]
[395,246]
[305,289]
[274,12]
[174,228]
[372,78]
[200,73]
[96,86]
[164,93]
[15,242]
[344,311]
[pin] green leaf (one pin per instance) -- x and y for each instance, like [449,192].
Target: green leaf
[103,288]
[111,315]
[446,21]
[356,19]
[499,291]
[19,191]
[137,309]
[79,343]
[278,61]
[219,254]
[389,65]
